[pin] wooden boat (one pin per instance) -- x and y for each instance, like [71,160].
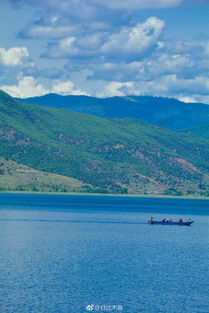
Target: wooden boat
[171,223]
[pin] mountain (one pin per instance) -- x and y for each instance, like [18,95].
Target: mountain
[202,131]
[18,177]
[166,112]
[112,155]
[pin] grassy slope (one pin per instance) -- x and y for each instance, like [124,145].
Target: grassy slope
[110,154]
[202,131]
[14,176]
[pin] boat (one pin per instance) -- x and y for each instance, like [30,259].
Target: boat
[171,223]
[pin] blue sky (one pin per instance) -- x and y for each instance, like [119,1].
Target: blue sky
[105,48]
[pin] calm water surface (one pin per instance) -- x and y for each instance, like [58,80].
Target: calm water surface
[62,253]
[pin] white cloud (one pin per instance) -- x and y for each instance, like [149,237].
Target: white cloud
[122,55]
[91,41]
[187,99]
[26,87]
[188,90]
[171,85]
[145,69]
[160,44]
[196,85]
[14,56]
[197,98]
[153,65]
[67,44]
[116,89]
[66,88]
[128,42]
[63,49]
[118,71]
[41,31]
[167,63]
[81,47]
[134,40]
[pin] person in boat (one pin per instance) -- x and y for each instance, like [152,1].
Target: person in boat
[151,220]
[180,220]
[166,221]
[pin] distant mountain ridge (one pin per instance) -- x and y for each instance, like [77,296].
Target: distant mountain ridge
[107,155]
[166,112]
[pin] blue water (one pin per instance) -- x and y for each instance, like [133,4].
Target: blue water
[63,253]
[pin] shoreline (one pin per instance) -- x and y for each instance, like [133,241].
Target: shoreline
[104,194]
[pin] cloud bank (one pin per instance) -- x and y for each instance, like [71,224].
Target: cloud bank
[106,48]
[14,56]
[28,86]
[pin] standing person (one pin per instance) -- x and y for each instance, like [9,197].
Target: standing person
[151,220]
[180,220]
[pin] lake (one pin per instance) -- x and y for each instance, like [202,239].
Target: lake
[78,254]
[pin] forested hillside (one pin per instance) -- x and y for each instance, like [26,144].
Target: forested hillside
[113,155]
[166,112]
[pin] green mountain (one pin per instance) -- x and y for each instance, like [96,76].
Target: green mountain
[112,155]
[14,176]
[202,131]
[166,112]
